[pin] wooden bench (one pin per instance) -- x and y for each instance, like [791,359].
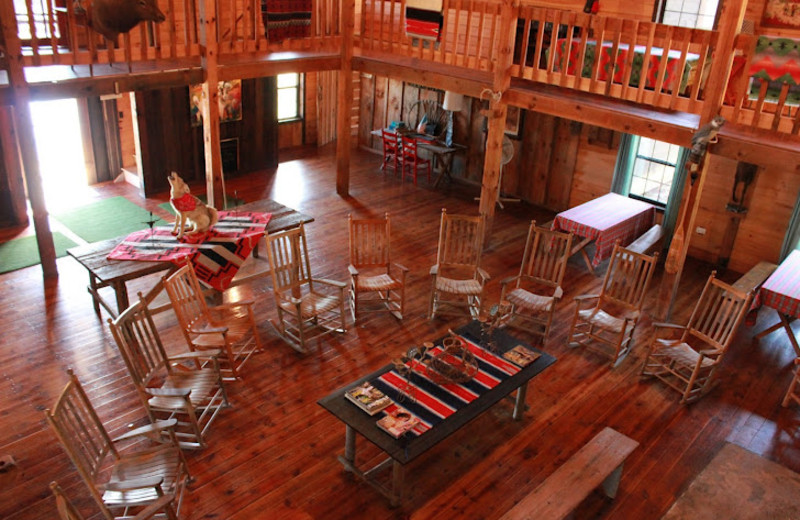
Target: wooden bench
[647,243]
[752,279]
[598,462]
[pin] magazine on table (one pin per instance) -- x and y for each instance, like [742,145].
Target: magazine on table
[521,356]
[397,422]
[368,398]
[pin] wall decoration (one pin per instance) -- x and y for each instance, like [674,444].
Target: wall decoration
[230,102]
[781,13]
[514,122]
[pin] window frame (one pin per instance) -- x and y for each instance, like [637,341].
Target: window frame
[660,7]
[631,164]
[299,88]
[59,23]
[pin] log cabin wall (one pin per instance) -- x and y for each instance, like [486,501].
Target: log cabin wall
[164,114]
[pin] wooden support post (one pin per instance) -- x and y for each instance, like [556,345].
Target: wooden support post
[25,139]
[18,212]
[490,186]
[209,47]
[345,100]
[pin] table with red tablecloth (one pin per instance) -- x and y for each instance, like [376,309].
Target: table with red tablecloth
[604,221]
[651,78]
[781,291]
[216,254]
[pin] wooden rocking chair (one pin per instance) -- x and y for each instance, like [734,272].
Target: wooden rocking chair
[458,279]
[688,363]
[139,477]
[371,269]
[187,386]
[623,292]
[304,311]
[230,327]
[543,264]
[67,511]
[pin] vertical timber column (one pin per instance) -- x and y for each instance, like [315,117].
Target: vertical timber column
[209,48]
[345,100]
[490,185]
[730,24]
[27,143]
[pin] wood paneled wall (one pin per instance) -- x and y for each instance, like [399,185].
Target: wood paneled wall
[169,142]
[12,188]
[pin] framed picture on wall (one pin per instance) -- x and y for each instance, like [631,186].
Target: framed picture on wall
[229,101]
[514,122]
[781,13]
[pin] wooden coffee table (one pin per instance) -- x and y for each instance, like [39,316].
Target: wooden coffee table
[405,449]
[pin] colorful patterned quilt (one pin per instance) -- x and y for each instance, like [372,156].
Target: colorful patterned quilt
[286,19]
[424,19]
[777,61]
[216,255]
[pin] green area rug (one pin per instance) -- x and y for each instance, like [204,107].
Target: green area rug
[231,203]
[23,252]
[107,218]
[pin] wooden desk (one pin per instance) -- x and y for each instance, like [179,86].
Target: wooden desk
[405,449]
[442,154]
[737,485]
[781,291]
[604,221]
[116,273]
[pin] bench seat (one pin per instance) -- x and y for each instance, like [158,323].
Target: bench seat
[647,243]
[598,462]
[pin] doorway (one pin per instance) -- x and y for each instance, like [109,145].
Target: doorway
[62,166]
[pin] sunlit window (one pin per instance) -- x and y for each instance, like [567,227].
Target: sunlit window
[696,14]
[653,169]
[289,97]
[40,18]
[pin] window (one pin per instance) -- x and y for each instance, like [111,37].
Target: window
[697,14]
[40,14]
[290,89]
[653,169]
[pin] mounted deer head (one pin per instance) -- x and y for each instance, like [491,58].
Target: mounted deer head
[112,17]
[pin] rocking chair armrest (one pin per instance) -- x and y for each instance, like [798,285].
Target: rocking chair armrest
[401,267]
[558,292]
[586,297]
[212,352]
[508,280]
[232,305]
[483,274]
[136,483]
[169,392]
[333,283]
[434,270]
[709,352]
[666,325]
[352,270]
[146,429]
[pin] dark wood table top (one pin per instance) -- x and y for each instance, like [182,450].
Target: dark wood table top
[94,257]
[406,449]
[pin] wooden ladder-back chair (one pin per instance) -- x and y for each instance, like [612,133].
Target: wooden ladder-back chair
[623,291]
[411,162]
[371,269]
[125,475]
[159,508]
[304,311]
[230,327]
[688,363]
[458,279]
[542,270]
[186,386]
[391,150]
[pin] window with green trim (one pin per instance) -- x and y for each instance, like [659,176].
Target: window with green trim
[653,168]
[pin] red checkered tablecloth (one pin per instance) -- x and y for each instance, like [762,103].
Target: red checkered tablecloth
[216,255]
[781,291]
[605,220]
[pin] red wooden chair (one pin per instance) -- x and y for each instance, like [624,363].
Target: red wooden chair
[411,162]
[391,150]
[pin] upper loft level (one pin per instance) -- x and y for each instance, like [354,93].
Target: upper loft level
[638,63]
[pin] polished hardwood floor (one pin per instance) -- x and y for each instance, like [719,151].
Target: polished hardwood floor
[273,453]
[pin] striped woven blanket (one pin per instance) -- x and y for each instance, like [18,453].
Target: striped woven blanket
[286,19]
[424,19]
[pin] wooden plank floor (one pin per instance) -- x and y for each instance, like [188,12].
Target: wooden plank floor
[273,454]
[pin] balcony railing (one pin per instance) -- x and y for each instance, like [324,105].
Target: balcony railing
[643,62]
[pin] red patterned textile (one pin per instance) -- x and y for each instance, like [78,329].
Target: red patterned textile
[216,255]
[781,291]
[186,203]
[605,220]
[286,19]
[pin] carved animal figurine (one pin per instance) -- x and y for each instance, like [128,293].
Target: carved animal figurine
[704,135]
[189,209]
[112,17]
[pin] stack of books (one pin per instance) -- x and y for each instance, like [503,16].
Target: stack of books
[397,422]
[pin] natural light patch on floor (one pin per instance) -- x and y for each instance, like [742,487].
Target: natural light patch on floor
[289,188]
[61,161]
